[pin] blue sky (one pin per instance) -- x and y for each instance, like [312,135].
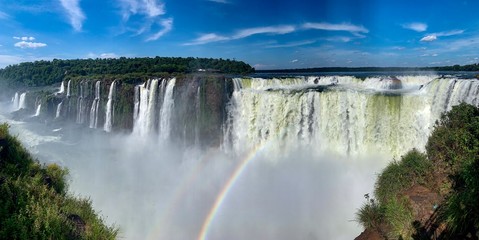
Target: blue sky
[266,34]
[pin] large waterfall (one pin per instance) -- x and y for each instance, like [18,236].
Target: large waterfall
[22,104]
[38,110]
[342,114]
[153,107]
[16,101]
[109,109]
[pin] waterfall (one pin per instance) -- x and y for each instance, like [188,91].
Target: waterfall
[151,115]
[16,101]
[37,112]
[136,103]
[62,88]
[109,108]
[166,110]
[68,88]
[59,110]
[22,103]
[351,116]
[95,106]
[80,105]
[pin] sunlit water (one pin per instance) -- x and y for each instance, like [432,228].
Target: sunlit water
[153,191]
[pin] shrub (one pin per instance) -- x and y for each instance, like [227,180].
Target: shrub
[413,168]
[370,215]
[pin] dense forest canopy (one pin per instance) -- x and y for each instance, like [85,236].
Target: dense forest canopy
[42,73]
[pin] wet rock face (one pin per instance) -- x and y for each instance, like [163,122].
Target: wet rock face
[393,83]
[200,109]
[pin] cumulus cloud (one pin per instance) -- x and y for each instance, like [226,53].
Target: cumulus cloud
[167,25]
[74,12]
[416,26]
[25,44]
[336,27]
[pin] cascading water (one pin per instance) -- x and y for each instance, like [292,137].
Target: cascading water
[38,110]
[59,110]
[62,88]
[343,115]
[16,101]
[153,107]
[166,110]
[95,106]
[22,104]
[80,104]
[69,88]
[109,108]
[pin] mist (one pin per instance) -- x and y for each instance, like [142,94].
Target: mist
[153,190]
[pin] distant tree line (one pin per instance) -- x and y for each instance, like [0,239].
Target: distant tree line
[471,67]
[40,73]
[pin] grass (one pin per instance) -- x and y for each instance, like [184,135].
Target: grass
[34,201]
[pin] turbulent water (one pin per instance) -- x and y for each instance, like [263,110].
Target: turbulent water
[296,156]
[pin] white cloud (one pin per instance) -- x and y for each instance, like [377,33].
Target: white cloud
[220,1]
[167,25]
[433,36]
[102,55]
[448,33]
[264,30]
[416,26]
[429,38]
[25,44]
[149,19]
[295,60]
[74,12]
[292,44]
[207,38]
[213,37]
[149,8]
[398,48]
[4,15]
[338,39]
[336,27]
[24,38]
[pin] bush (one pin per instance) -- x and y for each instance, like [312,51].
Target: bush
[34,203]
[370,215]
[413,168]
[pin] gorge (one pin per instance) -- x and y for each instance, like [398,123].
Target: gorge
[207,156]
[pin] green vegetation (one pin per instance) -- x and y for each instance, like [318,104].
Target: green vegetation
[41,73]
[449,170]
[456,68]
[34,203]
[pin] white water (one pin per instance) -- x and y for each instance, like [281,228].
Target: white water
[59,110]
[62,88]
[95,106]
[39,109]
[22,104]
[153,108]
[69,88]
[166,110]
[16,101]
[354,117]
[109,109]
[80,104]
[318,156]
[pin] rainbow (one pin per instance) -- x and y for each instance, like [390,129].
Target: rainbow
[178,195]
[224,192]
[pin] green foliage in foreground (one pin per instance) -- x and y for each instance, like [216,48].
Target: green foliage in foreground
[34,203]
[450,168]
